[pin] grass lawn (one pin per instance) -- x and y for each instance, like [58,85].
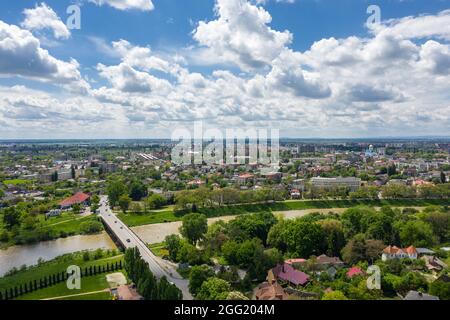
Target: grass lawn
[159,249]
[53,266]
[88,284]
[68,224]
[16,182]
[133,220]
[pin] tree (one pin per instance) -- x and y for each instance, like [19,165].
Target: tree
[250,226]
[90,227]
[115,188]
[197,276]
[138,190]
[236,295]
[417,233]
[392,170]
[354,220]
[193,227]
[298,237]
[11,217]
[440,289]
[360,249]
[334,295]
[95,200]
[155,201]
[190,254]
[440,223]
[443,177]
[76,208]
[124,202]
[334,236]
[173,244]
[147,286]
[214,289]
[168,291]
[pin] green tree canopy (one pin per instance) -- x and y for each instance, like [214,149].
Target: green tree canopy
[193,227]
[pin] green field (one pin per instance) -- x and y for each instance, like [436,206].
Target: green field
[16,182]
[159,249]
[133,220]
[90,283]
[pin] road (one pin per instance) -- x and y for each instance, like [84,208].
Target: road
[129,239]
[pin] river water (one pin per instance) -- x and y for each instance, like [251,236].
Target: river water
[17,256]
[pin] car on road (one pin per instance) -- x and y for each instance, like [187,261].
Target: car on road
[115,221]
[128,240]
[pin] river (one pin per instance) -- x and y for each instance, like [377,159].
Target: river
[17,256]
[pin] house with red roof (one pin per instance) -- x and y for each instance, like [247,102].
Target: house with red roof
[354,271]
[393,252]
[287,273]
[78,198]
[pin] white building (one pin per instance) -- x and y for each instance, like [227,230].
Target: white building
[393,252]
[329,183]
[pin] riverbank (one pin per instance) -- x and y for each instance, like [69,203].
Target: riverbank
[157,217]
[16,256]
[65,225]
[84,260]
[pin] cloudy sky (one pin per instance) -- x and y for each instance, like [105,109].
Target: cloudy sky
[142,68]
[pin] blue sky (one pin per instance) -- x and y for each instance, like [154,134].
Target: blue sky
[278,78]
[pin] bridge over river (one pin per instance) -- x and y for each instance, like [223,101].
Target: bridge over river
[128,239]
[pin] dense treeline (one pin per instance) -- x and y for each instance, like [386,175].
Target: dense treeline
[207,198]
[147,284]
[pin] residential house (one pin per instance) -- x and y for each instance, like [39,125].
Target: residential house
[53,213]
[393,252]
[433,263]
[78,198]
[286,273]
[325,261]
[270,291]
[245,178]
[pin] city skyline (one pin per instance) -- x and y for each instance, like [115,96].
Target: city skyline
[140,69]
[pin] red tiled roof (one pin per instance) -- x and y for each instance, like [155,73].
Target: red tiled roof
[78,197]
[394,250]
[391,249]
[287,273]
[354,271]
[411,250]
[246,176]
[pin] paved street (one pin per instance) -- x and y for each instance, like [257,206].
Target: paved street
[129,239]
